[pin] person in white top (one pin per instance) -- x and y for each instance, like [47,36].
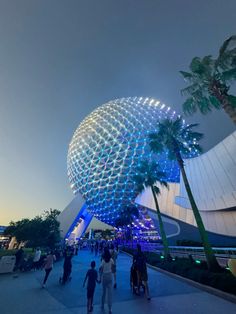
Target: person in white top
[36,259]
[106,270]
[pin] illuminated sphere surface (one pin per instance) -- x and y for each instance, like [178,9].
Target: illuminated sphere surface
[107,147]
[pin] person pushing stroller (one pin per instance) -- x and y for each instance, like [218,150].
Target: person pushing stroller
[139,273]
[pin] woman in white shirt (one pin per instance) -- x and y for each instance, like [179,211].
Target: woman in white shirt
[106,270]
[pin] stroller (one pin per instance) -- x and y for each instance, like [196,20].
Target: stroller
[134,284]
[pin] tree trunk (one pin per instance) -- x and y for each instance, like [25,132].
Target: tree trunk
[210,256]
[220,92]
[162,230]
[231,111]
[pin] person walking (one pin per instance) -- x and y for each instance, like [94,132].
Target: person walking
[36,258]
[114,254]
[19,258]
[139,261]
[106,270]
[96,248]
[92,277]
[48,265]
[67,266]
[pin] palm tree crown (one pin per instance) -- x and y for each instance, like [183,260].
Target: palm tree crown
[147,175]
[127,216]
[177,138]
[210,82]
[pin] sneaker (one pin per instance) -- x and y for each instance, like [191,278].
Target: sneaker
[115,285]
[148,298]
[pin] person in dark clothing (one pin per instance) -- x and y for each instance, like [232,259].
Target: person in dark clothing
[67,266]
[139,262]
[96,248]
[92,277]
[19,258]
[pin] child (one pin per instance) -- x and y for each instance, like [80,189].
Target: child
[92,277]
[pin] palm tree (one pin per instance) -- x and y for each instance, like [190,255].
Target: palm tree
[179,141]
[210,82]
[126,218]
[148,175]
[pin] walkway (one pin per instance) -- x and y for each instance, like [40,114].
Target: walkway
[23,294]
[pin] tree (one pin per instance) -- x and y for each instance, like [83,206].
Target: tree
[148,175]
[210,82]
[52,227]
[179,140]
[19,229]
[39,231]
[126,218]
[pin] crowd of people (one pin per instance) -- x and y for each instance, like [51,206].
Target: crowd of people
[105,275]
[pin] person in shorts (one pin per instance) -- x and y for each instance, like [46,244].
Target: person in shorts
[92,277]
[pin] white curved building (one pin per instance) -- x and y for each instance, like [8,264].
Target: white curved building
[212,177]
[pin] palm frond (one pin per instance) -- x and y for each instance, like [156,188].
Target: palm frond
[204,105]
[156,146]
[226,45]
[189,106]
[187,76]
[214,102]
[227,54]
[195,136]
[229,75]
[153,136]
[196,65]
[165,184]
[189,90]
[177,125]
[207,61]
[156,190]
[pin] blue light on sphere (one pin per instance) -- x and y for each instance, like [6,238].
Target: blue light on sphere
[107,147]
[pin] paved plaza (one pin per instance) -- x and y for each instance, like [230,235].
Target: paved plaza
[22,293]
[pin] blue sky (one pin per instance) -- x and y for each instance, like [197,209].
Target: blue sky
[59,60]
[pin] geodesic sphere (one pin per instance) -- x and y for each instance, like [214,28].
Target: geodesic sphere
[106,149]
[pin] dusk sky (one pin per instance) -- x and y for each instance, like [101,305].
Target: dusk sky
[60,59]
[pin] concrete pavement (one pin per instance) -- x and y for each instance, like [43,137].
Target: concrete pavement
[23,293]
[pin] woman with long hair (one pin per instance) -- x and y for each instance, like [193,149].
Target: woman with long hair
[106,270]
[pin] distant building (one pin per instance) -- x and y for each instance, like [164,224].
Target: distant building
[3,239]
